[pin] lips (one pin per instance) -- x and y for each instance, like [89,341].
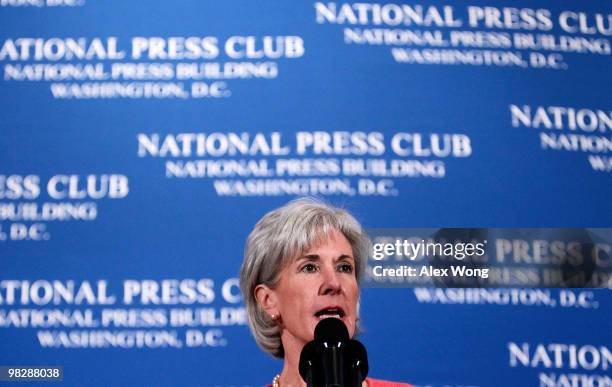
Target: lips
[330,312]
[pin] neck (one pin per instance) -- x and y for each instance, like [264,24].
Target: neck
[290,376]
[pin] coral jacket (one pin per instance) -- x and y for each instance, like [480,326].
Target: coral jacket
[379,383]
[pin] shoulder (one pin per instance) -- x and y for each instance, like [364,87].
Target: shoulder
[384,383]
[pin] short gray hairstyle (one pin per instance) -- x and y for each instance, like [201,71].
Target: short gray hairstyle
[280,237]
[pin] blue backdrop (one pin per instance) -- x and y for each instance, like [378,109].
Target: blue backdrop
[142,141]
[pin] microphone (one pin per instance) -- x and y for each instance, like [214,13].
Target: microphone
[332,359]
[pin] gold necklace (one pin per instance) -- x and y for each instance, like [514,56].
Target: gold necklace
[276,381]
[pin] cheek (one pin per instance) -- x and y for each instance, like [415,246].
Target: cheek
[299,306]
[353,298]
[353,295]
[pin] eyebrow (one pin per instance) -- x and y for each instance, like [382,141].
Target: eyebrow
[316,257]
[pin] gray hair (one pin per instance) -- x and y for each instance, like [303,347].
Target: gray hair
[276,240]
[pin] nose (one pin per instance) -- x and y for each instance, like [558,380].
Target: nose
[331,284]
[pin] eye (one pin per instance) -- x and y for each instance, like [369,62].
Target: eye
[345,268]
[309,268]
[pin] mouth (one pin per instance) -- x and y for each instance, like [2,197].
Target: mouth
[330,312]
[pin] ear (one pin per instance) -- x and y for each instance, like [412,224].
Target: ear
[266,298]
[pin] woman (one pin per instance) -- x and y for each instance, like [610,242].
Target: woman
[302,264]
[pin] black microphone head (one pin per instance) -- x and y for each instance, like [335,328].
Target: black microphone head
[307,358]
[360,357]
[331,329]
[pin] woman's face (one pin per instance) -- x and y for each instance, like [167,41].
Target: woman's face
[320,283]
